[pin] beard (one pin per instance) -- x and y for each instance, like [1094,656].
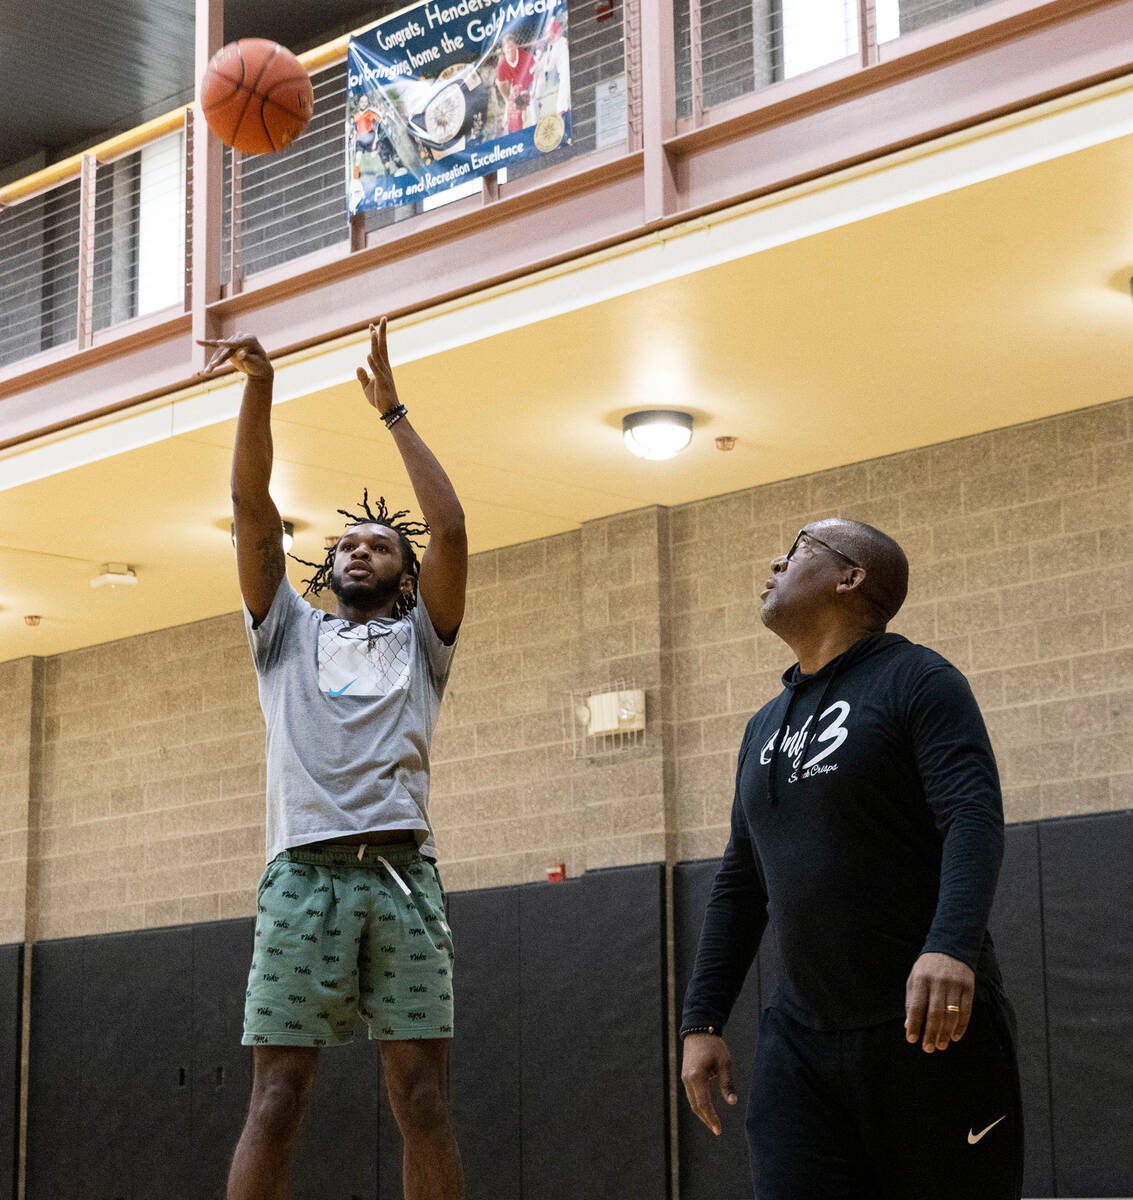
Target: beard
[365,595]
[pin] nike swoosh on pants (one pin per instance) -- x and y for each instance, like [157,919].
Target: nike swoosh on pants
[975,1137]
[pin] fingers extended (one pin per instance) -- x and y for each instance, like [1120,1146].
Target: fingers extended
[934,1016]
[696,1092]
[916,1001]
[224,349]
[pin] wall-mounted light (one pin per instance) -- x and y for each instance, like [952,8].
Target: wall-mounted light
[657,433]
[288,535]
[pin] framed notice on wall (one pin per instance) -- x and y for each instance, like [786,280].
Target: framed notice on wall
[610,111]
[439,94]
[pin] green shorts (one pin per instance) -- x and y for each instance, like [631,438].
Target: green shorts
[337,938]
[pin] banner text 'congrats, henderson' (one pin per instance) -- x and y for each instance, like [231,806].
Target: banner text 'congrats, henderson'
[477,30]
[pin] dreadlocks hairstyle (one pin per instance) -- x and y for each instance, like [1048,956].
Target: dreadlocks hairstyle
[407,532]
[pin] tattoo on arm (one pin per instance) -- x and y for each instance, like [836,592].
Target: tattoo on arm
[272,564]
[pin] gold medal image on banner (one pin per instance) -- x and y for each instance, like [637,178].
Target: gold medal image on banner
[549,132]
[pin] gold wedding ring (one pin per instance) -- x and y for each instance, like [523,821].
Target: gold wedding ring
[951,1008]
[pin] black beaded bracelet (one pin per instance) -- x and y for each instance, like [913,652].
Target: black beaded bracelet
[391,418]
[715,1030]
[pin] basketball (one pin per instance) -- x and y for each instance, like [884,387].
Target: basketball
[256,96]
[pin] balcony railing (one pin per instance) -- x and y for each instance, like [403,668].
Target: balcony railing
[94,242]
[101,240]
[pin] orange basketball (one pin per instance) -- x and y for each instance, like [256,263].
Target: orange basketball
[256,96]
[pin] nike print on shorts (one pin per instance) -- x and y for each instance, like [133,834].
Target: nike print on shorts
[338,938]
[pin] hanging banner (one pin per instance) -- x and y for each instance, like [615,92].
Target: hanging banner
[439,94]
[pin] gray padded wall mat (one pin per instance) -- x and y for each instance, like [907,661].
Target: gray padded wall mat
[559,1066]
[592,1021]
[1087,888]
[110,1042]
[222,1068]
[486,1048]
[1017,931]
[11,988]
[136,1051]
[55,1167]
[484,1080]
[484,1085]
[714,1168]
[558,1061]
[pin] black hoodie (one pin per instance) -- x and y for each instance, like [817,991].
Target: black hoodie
[867,826]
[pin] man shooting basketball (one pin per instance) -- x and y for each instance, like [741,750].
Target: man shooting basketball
[867,826]
[351,916]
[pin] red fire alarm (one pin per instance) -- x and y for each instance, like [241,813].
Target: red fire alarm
[556,873]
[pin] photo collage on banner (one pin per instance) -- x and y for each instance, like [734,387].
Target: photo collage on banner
[439,94]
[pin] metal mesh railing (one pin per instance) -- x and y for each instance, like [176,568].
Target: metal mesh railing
[280,206]
[135,220]
[39,273]
[139,233]
[746,45]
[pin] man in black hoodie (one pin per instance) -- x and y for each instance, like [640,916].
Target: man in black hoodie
[867,827]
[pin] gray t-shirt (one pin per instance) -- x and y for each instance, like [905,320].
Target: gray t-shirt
[350,712]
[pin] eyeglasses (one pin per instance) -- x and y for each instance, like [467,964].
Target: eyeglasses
[809,537]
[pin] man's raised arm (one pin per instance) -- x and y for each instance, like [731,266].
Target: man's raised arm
[444,565]
[259,545]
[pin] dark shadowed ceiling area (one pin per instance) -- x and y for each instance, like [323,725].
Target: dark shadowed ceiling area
[73,72]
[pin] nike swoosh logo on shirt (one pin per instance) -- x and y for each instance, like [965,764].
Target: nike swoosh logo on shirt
[339,691]
[975,1137]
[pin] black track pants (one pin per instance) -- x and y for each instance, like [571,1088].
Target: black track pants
[860,1114]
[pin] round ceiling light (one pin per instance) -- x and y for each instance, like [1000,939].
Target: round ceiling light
[288,535]
[657,433]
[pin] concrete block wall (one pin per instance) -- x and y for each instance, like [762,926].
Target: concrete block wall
[150,809]
[132,773]
[1020,544]
[503,792]
[19,717]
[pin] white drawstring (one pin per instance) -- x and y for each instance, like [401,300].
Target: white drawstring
[400,882]
[385,863]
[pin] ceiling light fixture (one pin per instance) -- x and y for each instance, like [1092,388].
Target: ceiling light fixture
[115,575]
[657,433]
[288,535]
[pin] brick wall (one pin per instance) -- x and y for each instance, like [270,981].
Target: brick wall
[151,804]
[19,711]
[1021,550]
[503,794]
[134,771]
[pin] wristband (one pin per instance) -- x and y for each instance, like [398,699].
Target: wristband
[714,1030]
[391,418]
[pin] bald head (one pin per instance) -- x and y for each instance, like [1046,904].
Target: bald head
[887,569]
